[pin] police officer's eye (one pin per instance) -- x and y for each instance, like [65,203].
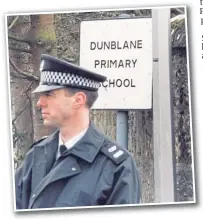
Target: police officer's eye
[48,93]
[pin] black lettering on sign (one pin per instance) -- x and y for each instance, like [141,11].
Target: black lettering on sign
[125,46]
[112,45]
[118,83]
[104,84]
[120,64]
[112,63]
[134,61]
[96,62]
[127,63]
[118,45]
[131,83]
[106,45]
[103,63]
[139,44]
[92,45]
[126,84]
[112,83]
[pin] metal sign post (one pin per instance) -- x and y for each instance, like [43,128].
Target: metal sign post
[122,124]
[164,164]
[122,128]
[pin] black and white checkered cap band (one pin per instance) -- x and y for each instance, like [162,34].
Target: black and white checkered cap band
[63,78]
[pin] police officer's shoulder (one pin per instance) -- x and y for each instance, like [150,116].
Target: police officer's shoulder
[38,141]
[115,152]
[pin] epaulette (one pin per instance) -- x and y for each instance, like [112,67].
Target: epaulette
[38,141]
[115,152]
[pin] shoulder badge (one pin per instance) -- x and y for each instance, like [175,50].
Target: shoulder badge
[36,142]
[115,152]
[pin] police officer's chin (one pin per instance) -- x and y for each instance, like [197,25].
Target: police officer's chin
[50,127]
[50,123]
[45,120]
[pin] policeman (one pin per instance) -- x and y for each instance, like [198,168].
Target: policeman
[77,165]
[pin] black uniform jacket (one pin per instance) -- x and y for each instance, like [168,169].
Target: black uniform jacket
[96,171]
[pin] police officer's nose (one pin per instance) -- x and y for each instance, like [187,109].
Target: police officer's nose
[40,102]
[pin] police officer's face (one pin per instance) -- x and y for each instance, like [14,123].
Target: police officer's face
[56,107]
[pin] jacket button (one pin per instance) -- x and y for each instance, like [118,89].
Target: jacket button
[73,169]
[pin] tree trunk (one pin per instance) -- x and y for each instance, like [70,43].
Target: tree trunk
[20,94]
[42,34]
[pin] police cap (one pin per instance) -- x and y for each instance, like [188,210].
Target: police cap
[57,73]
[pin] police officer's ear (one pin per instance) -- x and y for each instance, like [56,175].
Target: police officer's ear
[79,100]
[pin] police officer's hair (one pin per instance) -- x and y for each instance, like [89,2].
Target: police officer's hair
[90,95]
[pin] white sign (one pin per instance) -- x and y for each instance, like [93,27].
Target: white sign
[121,50]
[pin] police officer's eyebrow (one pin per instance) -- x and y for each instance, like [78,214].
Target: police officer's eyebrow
[48,93]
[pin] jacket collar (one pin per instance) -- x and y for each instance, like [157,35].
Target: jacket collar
[49,139]
[86,148]
[89,145]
